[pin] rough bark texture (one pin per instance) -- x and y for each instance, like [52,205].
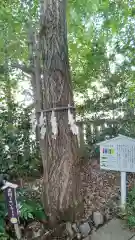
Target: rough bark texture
[60,155]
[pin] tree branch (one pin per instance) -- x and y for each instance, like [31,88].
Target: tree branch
[23,67]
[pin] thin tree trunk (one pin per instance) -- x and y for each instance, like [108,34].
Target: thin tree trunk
[60,154]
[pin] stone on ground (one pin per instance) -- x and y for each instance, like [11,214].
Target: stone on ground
[98,218]
[85,229]
[114,230]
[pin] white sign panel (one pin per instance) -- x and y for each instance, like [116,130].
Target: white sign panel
[108,157]
[118,154]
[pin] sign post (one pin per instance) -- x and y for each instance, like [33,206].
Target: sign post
[118,154]
[10,196]
[123,190]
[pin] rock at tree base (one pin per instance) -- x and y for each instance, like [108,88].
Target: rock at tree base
[98,218]
[85,229]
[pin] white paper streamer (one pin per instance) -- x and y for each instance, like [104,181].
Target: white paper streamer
[54,125]
[42,132]
[71,122]
[41,120]
[42,125]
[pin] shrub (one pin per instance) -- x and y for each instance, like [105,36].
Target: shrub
[29,210]
[130,209]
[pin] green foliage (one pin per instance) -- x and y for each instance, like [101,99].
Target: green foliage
[32,210]
[4,236]
[95,28]
[2,220]
[13,21]
[130,209]
[112,129]
[18,150]
[29,210]
[92,25]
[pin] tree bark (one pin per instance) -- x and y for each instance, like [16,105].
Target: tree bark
[60,155]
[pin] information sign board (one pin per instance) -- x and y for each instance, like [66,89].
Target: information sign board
[118,154]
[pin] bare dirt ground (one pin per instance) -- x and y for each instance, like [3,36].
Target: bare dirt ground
[101,188]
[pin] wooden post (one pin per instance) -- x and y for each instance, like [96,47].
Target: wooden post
[10,198]
[17,231]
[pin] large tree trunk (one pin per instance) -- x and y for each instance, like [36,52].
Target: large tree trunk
[60,152]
